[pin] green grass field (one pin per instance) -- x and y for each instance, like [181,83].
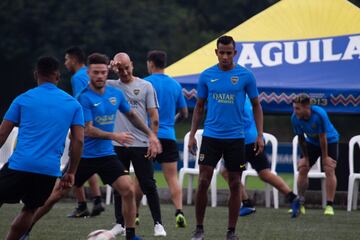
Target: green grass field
[267,224]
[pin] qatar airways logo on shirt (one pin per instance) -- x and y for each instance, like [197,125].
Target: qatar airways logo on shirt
[224,98]
[105,119]
[271,54]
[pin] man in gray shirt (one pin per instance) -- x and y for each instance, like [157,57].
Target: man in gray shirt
[142,98]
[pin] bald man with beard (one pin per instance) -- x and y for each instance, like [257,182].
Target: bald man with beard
[142,98]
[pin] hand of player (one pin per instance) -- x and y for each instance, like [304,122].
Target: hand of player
[259,145]
[154,147]
[114,65]
[330,162]
[192,145]
[67,181]
[124,138]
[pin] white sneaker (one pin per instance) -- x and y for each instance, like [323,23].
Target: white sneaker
[159,230]
[118,229]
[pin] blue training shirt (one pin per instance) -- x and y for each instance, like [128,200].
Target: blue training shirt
[225,92]
[170,98]
[101,111]
[318,123]
[79,81]
[44,115]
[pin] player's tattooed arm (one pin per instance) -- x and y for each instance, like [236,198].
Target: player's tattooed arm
[154,119]
[154,143]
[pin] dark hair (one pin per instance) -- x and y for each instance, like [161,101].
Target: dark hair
[302,98]
[158,58]
[77,53]
[97,58]
[47,66]
[225,40]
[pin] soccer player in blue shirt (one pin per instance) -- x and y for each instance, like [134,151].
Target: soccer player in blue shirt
[261,165]
[75,63]
[44,116]
[224,86]
[171,100]
[317,138]
[100,104]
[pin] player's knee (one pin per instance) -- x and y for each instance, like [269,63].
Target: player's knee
[329,170]
[303,169]
[204,182]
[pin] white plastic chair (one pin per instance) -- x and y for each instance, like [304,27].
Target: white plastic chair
[315,171]
[353,177]
[108,197]
[251,172]
[9,146]
[194,171]
[65,156]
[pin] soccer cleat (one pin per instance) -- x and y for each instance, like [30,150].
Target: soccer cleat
[244,211]
[180,221]
[295,207]
[97,209]
[118,229]
[231,236]
[198,234]
[302,210]
[79,213]
[159,230]
[329,211]
[137,221]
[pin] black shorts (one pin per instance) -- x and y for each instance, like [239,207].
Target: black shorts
[232,150]
[170,152]
[259,162]
[109,168]
[132,154]
[143,167]
[32,189]
[314,152]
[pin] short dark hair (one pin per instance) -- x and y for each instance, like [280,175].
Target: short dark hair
[225,40]
[77,53]
[47,66]
[158,58]
[97,58]
[302,98]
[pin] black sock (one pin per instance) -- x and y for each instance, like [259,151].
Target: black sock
[97,200]
[130,233]
[231,229]
[178,211]
[137,214]
[329,203]
[200,227]
[82,205]
[247,203]
[290,197]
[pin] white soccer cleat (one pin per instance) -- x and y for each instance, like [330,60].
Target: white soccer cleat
[159,230]
[118,229]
